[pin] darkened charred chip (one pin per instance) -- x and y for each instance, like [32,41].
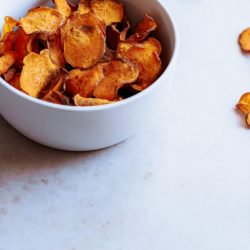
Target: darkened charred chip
[244,40]
[143,29]
[56,50]
[83,101]
[117,73]
[89,43]
[146,56]
[42,19]
[38,73]
[63,7]
[109,11]
[20,45]
[83,82]
[114,35]
[9,25]
[6,61]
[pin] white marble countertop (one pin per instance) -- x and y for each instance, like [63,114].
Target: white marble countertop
[181,184]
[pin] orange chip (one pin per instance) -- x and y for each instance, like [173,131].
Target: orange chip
[9,25]
[83,101]
[146,56]
[83,82]
[10,74]
[42,19]
[6,61]
[38,73]
[109,11]
[108,55]
[15,81]
[244,40]
[89,43]
[143,29]
[117,73]
[56,50]
[79,21]
[63,7]
[57,97]
[20,45]
[56,86]
[7,42]
[244,103]
[84,7]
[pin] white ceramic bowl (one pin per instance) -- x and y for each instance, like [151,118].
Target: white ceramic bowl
[88,128]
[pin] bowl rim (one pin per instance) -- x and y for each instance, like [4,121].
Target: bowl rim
[116,104]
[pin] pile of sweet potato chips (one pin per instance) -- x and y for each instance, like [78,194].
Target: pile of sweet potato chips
[81,55]
[244,102]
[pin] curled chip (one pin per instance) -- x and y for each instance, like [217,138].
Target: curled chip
[89,43]
[82,101]
[56,50]
[244,103]
[38,73]
[10,74]
[109,11]
[9,25]
[6,61]
[7,43]
[146,56]
[20,45]
[54,87]
[42,19]
[83,82]
[244,40]
[117,73]
[57,97]
[143,29]
[63,8]
[84,7]
[114,36]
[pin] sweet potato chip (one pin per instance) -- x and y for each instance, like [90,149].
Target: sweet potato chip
[6,61]
[89,43]
[7,43]
[10,74]
[20,45]
[83,101]
[56,50]
[63,8]
[57,97]
[56,86]
[84,7]
[117,73]
[244,40]
[83,82]
[38,73]
[244,103]
[146,56]
[42,19]
[80,21]
[9,25]
[143,29]
[109,11]
[15,81]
